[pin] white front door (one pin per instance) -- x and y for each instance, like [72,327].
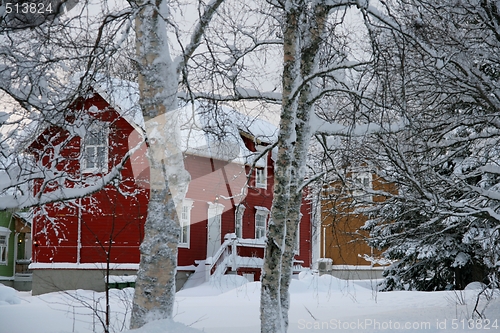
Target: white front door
[214,228]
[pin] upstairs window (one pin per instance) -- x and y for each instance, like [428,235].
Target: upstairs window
[260,223]
[95,148]
[185,222]
[260,178]
[261,173]
[362,182]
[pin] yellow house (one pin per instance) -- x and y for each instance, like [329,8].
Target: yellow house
[343,247]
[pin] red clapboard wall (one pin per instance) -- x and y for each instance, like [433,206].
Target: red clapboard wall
[81,230]
[110,222]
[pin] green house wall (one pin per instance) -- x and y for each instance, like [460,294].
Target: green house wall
[6,221]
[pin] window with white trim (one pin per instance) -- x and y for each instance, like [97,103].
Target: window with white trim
[260,178]
[261,173]
[362,181]
[238,221]
[4,243]
[260,223]
[95,148]
[185,222]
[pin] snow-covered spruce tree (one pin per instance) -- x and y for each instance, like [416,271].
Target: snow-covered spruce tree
[438,72]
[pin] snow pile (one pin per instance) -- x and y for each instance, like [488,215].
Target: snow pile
[308,282]
[215,287]
[475,286]
[318,304]
[8,295]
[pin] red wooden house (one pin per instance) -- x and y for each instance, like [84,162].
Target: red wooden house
[223,217]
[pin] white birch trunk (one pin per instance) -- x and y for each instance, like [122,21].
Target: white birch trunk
[158,85]
[302,39]
[271,313]
[155,284]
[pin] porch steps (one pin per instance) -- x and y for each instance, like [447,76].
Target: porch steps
[198,277]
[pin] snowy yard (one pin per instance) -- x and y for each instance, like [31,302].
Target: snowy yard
[319,304]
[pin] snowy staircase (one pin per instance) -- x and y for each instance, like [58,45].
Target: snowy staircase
[215,266]
[212,268]
[198,277]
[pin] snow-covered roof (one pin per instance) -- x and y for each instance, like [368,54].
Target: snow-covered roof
[204,130]
[27,217]
[216,133]
[123,96]
[15,173]
[18,128]
[4,230]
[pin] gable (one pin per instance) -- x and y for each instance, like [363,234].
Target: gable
[62,144]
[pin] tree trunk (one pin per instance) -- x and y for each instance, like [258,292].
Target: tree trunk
[155,284]
[302,39]
[271,313]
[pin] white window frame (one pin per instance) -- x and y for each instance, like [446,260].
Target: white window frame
[214,219]
[261,174]
[185,224]
[261,231]
[238,220]
[4,246]
[361,182]
[261,177]
[102,129]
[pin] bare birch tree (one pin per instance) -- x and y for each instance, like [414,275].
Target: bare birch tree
[312,69]
[35,74]
[159,77]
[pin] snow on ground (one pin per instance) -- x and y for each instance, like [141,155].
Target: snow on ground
[318,304]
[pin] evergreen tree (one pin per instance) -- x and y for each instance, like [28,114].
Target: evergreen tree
[438,74]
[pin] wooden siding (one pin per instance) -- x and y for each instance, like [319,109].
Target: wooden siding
[82,230]
[342,240]
[114,215]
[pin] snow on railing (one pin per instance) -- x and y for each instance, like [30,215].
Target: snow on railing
[250,242]
[227,256]
[218,260]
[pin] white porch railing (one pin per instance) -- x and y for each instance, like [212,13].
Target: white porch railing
[227,255]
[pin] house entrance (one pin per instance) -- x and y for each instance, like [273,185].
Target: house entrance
[214,228]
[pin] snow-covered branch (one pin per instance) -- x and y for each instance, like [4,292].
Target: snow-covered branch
[240,95]
[196,36]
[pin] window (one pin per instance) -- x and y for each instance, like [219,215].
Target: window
[260,222]
[95,145]
[4,243]
[362,181]
[260,178]
[261,173]
[214,228]
[238,221]
[185,222]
